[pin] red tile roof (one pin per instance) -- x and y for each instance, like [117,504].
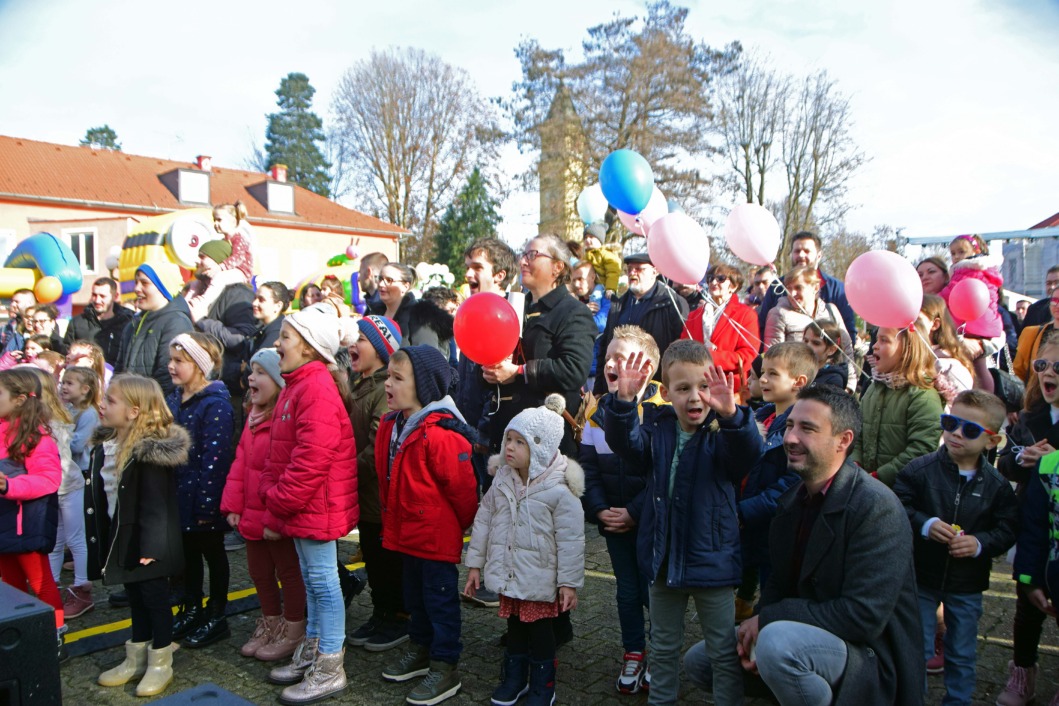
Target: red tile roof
[116,181]
[1050,222]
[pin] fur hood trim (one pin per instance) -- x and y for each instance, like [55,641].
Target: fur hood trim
[981,262]
[424,313]
[573,475]
[171,450]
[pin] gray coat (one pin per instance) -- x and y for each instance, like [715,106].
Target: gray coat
[145,342]
[856,582]
[530,547]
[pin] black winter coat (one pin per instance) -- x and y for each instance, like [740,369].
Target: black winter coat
[1033,426]
[401,317]
[107,333]
[231,320]
[145,341]
[431,326]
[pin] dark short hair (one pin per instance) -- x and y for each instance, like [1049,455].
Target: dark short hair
[684,351]
[807,235]
[1051,271]
[280,293]
[440,296]
[499,255]
[845,412]
[49,310]
[107,282]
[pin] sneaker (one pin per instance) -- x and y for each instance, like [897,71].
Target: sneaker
[389,634]
[441,682]
[630,680]
[77,600]
[936,664]
[233,541]
[415,662]
[646,685]
[1021,686]
[361,635]
[483,597]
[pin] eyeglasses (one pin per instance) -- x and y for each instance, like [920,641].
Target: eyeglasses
[389,281]
[532,255]
[970,430]
[40,322]
[719,279]
[636,269]
[1040,365]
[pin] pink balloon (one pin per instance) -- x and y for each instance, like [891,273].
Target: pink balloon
[642,222]
[679,248]
[884,289]
[752,234]
[969,299]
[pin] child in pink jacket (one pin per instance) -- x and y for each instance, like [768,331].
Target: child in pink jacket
[971,260]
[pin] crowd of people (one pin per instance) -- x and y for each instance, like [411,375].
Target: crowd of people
[831,498]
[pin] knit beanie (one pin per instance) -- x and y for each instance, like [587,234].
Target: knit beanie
[165,275]
[268,359]
[542,428]
[323,331]
[597,229]
[435,378]
[384,335]
[216,250]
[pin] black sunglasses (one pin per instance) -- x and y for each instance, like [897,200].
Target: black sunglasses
[970,430]
[1040,365]
[719,279]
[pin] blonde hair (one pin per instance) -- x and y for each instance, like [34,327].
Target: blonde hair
[803,273]
[154,418]
[236,210]
[49,397]
[945,337]
[638,337]
[88,378]
[917,359]
[94,353]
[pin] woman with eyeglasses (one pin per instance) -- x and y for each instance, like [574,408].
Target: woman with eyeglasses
[1031,337]
[395,296]
[727,326]
[43,323]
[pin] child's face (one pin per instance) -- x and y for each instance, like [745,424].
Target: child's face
[292,348]
[182,369]
[619,351]
[689,393]
[224,222]
[1049,379]
[72,391]
[32,350]
[753,384]
[116,412]
[364,357]
[9,404]
[960,249]
[590,242]
[821,348]
[776,382]
[888,349]
[263,389]
[401,387]
[516,451]
[960,446]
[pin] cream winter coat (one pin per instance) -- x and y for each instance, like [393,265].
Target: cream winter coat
[528,548]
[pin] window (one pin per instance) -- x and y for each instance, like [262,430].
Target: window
[83,243]
[7,242]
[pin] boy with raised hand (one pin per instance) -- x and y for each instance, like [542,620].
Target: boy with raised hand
[696,451]
[963,515]
[786,368]
[613,499]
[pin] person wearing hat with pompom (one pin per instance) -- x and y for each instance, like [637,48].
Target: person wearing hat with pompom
[429,494]
[163,316]
[529,542]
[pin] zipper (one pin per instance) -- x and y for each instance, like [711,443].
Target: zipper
[114,540]
[955,515]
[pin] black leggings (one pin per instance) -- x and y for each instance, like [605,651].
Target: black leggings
[536,639]
[1027,632]
[385,572]
[207,545]
[152,618]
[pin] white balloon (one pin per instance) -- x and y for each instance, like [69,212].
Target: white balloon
[592,204]
[752,233]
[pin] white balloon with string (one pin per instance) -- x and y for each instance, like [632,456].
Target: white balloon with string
[752,233]
[592,204]
[641,222]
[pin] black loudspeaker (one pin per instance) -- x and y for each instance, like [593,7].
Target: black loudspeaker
[29,657]
[204,695]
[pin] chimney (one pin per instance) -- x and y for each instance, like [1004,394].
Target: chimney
[204,162]
[278,172]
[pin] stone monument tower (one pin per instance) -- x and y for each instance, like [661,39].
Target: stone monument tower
[562,168]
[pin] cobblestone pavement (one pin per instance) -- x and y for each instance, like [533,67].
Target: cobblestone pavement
[587,666]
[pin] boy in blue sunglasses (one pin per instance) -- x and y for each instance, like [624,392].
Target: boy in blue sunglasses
[963,514]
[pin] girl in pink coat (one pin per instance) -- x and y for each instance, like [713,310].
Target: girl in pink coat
[971,260]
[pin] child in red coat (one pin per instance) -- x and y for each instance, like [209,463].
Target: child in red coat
[429,496]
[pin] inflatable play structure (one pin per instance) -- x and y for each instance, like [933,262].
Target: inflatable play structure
[45,264]
[175,237]
[346,267]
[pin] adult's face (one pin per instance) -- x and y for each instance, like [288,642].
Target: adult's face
[539,270]
[1021,308]
[760,285]
[813,449]
[642,277]
[265,306]
[1053,308]
[148,296]
[1051,283]
[721,287]
[931,277]
[20,303]
[583,281]
[392,286]
[102,299]
[480,275]
[804,253]
[207,267]
[42,323]
[368,279]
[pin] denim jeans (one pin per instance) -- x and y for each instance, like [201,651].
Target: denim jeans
[632,591]
[326,612]
[431,597]
[716,616]
[962,612]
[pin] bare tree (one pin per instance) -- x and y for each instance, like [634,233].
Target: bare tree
[411,128]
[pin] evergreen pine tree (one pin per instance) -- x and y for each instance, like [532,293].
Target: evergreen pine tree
[101,138]
[470,217]
[295,134]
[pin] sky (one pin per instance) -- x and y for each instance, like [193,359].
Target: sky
[954,101]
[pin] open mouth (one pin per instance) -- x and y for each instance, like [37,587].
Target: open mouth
[1049,388]
[695,413]
[472,286]
[612,376]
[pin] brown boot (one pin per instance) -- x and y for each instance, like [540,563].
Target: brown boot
[263,632]
[326,677]
[133,667]
[300,661]
[284,641]
[159,672]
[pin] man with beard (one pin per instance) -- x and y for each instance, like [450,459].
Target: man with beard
[839,618]
[368,279]
[102,321]
[649,304]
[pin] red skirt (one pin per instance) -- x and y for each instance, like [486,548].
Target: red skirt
[528,611]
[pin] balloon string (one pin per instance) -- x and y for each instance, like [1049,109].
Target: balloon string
[683,321]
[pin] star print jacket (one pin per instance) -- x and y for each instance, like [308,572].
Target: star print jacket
[209,419]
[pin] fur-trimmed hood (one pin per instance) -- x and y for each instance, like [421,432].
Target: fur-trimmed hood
[573,476]
[994,260]
[424,313]
[170,450]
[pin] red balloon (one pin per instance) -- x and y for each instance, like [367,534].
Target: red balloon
[486,328]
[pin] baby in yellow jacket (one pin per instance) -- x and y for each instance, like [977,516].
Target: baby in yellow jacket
[606,263]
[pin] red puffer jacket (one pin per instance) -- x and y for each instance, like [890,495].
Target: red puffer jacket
[429,494]
[242,489]
[309,483]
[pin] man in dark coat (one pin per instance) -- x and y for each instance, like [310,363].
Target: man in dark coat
[649,304]
[1039,314]
[102,321]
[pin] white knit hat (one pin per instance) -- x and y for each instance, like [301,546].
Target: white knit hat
[324,331]
[542,428]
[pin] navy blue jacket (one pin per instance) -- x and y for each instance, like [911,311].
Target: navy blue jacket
[832,291]
[766,482]
[39,520]
[209,419]
[1038,542]
[689,540]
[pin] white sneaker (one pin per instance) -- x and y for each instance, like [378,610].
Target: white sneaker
[630,680]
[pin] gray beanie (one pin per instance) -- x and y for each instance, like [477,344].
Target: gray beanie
[597,229]
[542,428]
[268,359]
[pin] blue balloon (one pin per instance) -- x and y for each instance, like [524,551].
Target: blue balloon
[626,180]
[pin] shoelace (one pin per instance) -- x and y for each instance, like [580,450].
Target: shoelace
[1017,683]
[632,667]
[432,678]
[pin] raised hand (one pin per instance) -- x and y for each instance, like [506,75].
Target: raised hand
[722,391]
[632,376]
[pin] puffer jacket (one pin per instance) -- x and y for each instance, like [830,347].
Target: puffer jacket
[899,425]
[787,323]
[107,333]
[985,269]
[530,547]
[29,510]
[610,481]
[210,420]
[231,320]
[369,405]
[309,483]
[427,487]
[1038,540]
[145,342]
[832,290]
[985,507]
[241,491]
[688,538]
[759,495]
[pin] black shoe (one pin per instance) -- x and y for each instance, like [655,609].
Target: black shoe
[365,632]
[188,620]
[351,582]
[213,630]
[118,599]
[389,634]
